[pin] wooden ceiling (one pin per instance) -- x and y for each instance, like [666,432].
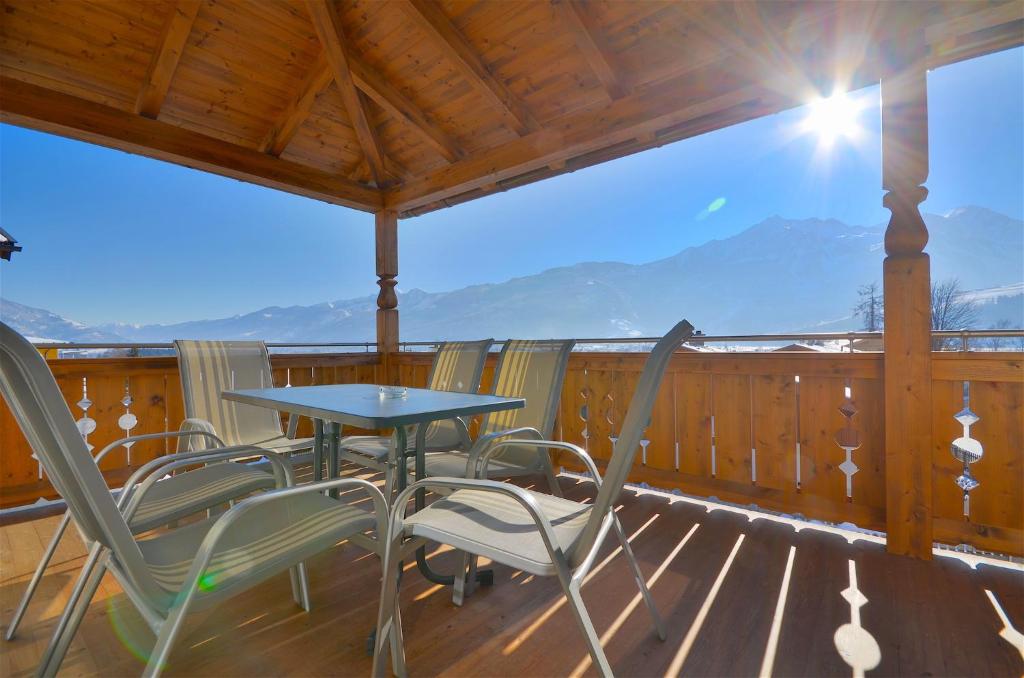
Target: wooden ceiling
[414,105]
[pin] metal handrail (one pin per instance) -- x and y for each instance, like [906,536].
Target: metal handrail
[963,335]
[168,345]
[792,336]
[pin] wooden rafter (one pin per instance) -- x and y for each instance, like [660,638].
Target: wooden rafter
[316,81]
[432,20]
[592,45]
[165,59]
[35,107]
[399,106]
[370,83]
[329,30]
[585,132]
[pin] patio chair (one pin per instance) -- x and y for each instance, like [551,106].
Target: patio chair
[179,570]
[457,367]
[172,499]
[207,369]
[534,370]
[526,530]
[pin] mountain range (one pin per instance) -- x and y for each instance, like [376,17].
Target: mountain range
[780,275]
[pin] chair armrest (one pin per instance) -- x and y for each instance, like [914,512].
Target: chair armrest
[483,443]
[578,451]
[196,424]
[133,491]
[522,496]
[180,434]
[220,528]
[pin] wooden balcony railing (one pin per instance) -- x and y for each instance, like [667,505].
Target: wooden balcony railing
[144,395]
[772,429]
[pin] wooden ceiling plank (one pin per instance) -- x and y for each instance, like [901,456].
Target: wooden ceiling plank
[432,20]
[329,30]
[592,46]
[628,118]
[399,106]
[42,109]
[165,58]
[316,81]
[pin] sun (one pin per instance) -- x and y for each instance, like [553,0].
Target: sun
[833,118]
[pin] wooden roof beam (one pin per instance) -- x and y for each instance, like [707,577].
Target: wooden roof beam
[165,59]
[400,107]
[592,45]
[370,83]
[43,109]
[329,30]
[588,131]
[432,20]
[315,82]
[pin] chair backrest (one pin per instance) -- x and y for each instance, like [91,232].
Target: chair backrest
[534,370]
[44,418]
[208,368]
[457,367]
[636,420]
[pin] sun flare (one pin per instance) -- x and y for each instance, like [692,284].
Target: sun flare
[833,118]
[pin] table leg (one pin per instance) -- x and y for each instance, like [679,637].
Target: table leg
[485,577]
[333,441]
[318,449]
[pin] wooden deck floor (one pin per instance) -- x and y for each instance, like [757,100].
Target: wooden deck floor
[741,597]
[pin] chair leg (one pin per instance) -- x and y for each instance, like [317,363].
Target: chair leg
[579,611]
[78,602]
[389,480]
[37,576]
[659,625]
[167,636]
[464,587]
[300,586]
[389,630]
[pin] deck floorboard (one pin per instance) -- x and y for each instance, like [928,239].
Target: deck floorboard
[716,574]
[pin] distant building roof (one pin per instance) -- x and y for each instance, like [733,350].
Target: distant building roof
[805,348]
[7,245]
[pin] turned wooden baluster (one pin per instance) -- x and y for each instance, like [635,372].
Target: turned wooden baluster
[906,279]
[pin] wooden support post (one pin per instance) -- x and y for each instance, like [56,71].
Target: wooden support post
[906,282]
[387,300]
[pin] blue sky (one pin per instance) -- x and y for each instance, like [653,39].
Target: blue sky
[110,236]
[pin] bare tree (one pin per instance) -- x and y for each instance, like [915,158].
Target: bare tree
[1004,343]
[951,310]
[870,307]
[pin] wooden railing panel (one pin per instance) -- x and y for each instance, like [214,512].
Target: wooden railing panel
[156,404]
[757,398]
[692,411]
[774,423]
[995,519]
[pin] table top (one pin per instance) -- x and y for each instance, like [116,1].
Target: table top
[361,404]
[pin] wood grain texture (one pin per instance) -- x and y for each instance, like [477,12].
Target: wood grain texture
[165,58]
[155,389]
[42,109]
[756,398]
[332,38]
[592,45]
[521,626]
[465,98]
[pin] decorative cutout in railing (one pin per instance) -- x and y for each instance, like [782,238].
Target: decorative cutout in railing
[127,421]
[966,449]
[848,438]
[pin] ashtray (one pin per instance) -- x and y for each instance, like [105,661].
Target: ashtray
[393,392]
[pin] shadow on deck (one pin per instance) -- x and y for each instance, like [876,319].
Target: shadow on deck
[742,595]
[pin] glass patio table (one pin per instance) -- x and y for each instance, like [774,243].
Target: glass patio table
[363,405]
